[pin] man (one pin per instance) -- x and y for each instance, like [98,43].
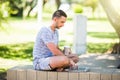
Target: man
[46,53]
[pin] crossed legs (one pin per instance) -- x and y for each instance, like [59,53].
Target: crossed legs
[58,62]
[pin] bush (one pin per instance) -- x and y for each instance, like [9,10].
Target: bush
[77,8]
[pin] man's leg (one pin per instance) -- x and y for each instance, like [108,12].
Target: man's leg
[59,62]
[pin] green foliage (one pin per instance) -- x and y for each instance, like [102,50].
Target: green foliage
[3,13]
[77,8]
[17,51]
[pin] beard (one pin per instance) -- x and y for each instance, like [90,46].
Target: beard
[57,27]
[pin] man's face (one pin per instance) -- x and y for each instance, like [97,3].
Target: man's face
[60,22]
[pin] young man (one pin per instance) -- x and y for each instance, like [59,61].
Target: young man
[46,53]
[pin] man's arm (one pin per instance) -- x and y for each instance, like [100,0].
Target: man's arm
[54,49]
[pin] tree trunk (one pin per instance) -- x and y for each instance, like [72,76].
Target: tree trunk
[114,18]
[113,15]
[58,2]
[32,4]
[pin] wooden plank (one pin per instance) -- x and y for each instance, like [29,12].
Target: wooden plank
[106,76]
[94,76]
[11,74]
[31,74]
[52,75]
[62,75]
[41,75]
[21,74]
[73,76]
[83,76]
[116,75]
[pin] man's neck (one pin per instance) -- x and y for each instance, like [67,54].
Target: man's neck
[52,27]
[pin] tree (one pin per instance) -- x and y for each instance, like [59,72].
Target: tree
[3,13]
[58,2]
[114,17]
[16,8]
[31,4]
[91,3]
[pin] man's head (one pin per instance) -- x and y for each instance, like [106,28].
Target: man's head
[59,18]
[59,13]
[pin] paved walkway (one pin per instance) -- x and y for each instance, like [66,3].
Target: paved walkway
[106,61]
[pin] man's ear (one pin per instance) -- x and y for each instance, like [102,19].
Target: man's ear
[55,18]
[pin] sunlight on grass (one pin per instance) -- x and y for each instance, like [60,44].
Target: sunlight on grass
[17,51]
[98,47]
[108,35]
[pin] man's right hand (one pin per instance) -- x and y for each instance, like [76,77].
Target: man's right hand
[72,63]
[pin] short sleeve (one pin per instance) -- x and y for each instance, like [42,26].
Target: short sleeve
[46,36]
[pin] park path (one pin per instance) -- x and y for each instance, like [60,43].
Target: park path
[9,63]
[99,61]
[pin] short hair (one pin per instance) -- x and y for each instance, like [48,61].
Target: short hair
[59,13]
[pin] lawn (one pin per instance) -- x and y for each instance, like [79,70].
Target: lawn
[16,43]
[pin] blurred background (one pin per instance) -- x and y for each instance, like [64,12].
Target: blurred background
[20,20]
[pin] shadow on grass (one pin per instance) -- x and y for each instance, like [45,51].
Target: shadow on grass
[17,51]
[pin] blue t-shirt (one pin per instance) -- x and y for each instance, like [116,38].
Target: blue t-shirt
[44,36]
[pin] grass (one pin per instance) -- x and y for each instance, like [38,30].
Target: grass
[17,51]
[99,47]
[107,35]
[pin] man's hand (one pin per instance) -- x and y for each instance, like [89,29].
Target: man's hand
[72,63]
[74,57]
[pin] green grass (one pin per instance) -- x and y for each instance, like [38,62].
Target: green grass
[108,35]
[98,47]
[20,50]
[17,51]
[24,50]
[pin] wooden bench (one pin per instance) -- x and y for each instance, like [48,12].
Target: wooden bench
[28,73]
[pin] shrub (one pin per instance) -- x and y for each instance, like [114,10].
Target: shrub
[77,8]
